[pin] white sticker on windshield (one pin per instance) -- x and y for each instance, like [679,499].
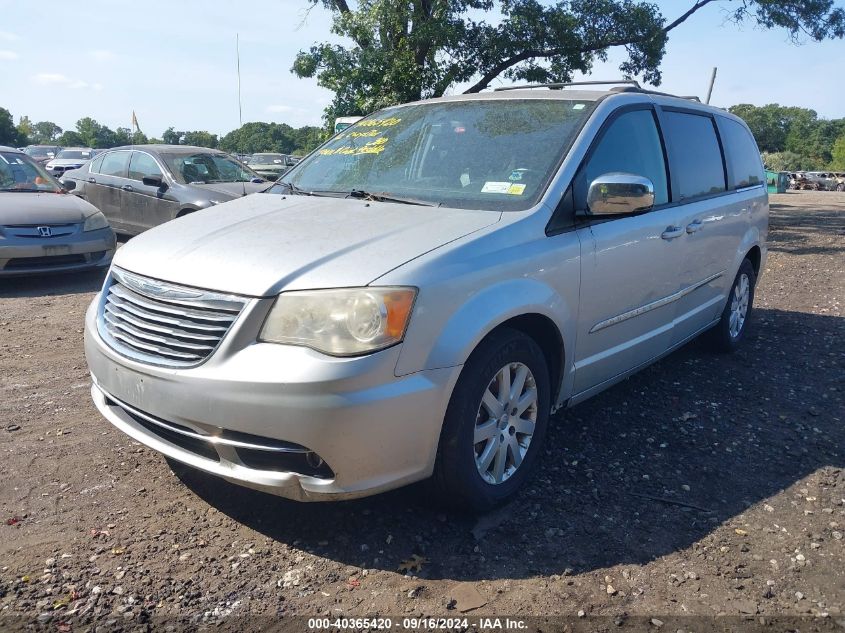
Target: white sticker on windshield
[578,106]
[495,187]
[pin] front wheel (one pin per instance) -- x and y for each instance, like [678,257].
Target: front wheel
[728,333]
[495,423]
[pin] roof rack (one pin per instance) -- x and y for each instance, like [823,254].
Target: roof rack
[557,86]
[620,85]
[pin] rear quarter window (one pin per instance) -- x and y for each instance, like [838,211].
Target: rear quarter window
[695,155]
[745,168]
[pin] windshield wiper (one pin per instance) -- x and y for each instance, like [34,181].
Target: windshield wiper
[384,196]
[292,188]
[27,190]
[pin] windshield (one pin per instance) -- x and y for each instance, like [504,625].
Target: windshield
[492,154]
[75,153]
[40,152]
[20,173]
[206,168]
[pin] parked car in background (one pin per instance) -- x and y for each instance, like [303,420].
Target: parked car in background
[140,186]
[269,165]
[42,228]
[840,181]
[69,158]
[820,181]
[42,153]
[418,298]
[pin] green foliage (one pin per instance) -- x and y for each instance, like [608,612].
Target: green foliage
[271,137]
[405,51]
[25,131]
[795,136]
[70,139]
[838,153]
[45,132]
[788,161]
[8,132]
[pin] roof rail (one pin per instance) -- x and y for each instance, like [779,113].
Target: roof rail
[653,92]
[557,86]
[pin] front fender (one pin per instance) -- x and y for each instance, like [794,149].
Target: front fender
[488,309]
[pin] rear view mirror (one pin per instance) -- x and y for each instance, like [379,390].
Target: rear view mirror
[618,193]
[152,181]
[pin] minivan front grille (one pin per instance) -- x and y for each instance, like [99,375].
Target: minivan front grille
[164,324]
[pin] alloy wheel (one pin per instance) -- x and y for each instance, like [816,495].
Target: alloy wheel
[739,305]
[505,422]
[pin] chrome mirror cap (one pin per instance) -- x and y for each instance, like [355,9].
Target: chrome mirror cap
[618,193]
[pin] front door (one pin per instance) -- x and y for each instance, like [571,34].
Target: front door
[629,263]
[147,206]
[107,189]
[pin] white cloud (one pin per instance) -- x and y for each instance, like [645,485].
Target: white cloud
[8,55]
[8,37]
[279,108]
[56,79]
[101,55]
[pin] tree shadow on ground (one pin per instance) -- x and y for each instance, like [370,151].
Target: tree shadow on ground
[718,432]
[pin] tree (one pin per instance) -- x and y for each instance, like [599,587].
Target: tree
[788,161]
[838,154]
[404,51]
[45,132]
[200,138]
[70,139]
[25,131]
[171,136]
[8,132]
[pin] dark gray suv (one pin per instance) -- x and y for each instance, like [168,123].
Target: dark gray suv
[142,186]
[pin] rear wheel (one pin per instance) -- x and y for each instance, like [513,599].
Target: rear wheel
[728,333]
[495,423]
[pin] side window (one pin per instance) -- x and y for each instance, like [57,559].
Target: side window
[631,144]
[695,155]
[142,165]
[115,164]
[745,168]
[94,167]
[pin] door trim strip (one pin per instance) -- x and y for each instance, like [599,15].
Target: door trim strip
[659,303]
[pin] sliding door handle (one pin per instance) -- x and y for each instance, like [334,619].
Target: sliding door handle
[672,232]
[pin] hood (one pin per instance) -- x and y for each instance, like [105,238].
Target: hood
[42,208]
[264,243]
[63,162]
[230,190]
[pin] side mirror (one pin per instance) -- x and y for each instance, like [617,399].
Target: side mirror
[153,181]
[69,185]
[257,180]
[619,193]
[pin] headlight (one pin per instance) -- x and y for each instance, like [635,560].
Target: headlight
[95,222]
[342,322]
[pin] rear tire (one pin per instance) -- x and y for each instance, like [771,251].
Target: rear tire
[727,335]
[495,423]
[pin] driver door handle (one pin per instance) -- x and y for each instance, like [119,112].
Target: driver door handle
[672,232]
[694,226]
[92,180]
[127,188]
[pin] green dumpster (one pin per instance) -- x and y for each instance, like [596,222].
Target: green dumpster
[777,181]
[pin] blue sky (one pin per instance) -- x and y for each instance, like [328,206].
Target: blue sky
[174,62]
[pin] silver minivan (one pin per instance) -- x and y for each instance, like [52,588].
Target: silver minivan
[415,298]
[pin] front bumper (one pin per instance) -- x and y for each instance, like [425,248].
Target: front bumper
[375,431]
[76,252]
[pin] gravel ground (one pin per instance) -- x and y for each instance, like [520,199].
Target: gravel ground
[704,485]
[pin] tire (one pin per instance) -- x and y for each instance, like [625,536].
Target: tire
[840,187]
[458,480]
[725,336]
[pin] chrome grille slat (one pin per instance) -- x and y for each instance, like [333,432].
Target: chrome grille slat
[155,338]
[113,331]
[122,304]
[134,297]
[162,323]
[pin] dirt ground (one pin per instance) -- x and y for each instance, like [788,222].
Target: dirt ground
[704,485]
